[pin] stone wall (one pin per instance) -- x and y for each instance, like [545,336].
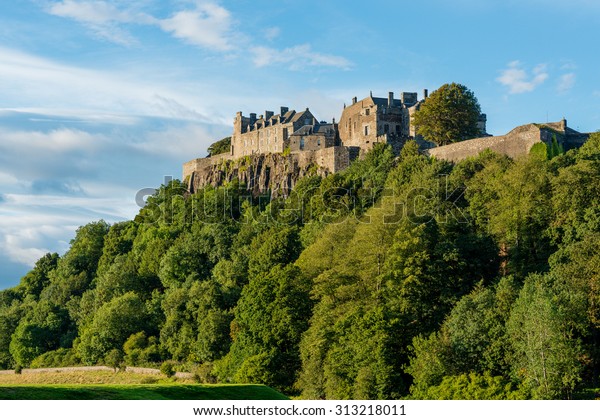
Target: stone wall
[201,164]
[516,143]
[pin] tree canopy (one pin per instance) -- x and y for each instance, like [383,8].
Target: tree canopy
[449,114]
[402,277]
[218,147]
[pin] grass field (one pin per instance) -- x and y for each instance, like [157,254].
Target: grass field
[122,386]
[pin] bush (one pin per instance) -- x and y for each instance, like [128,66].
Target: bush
[56,358]
[114,359]
[18,369]
[148,380]
[168,369]
[204,374]
[141,351]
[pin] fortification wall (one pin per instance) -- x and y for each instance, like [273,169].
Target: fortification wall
[200,164]
[514,144]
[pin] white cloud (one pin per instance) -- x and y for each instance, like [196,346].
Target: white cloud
[56,141]
[208,26]
[519,81]
[298,57]
[102,18]
[566,82]
[32,225]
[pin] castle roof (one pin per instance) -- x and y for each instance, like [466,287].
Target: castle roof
[299,115]
[384,101]
[318,129]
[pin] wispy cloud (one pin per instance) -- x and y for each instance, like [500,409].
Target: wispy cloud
[566,82]
[101,95]
[102,18]
[518,80]
[272,33]
[297,58]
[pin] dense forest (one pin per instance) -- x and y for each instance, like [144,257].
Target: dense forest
[398,277]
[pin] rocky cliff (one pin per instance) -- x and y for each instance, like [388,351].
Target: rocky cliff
[276,173]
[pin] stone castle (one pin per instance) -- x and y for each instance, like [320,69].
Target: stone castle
[279,148]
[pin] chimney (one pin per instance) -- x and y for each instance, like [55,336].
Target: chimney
[353,100]
[333,121]
[391,99]
[252,117]
[284,110]
[268,114]
[425,94]
[563,124]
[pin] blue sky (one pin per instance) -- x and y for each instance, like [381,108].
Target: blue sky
[99,99]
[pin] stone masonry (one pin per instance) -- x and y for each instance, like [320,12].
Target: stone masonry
[516,143]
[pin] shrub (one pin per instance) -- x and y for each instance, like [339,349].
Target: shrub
[56,358]
[168,369]
[204,374]
[114,359]
[18,369]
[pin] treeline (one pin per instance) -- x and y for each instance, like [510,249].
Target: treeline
[399,277]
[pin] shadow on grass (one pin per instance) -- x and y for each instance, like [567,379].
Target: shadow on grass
[139,392]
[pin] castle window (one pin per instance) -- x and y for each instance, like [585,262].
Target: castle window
[366,130]
[367,111]
[386,128]
[398,129]
[302,143]
[319,142]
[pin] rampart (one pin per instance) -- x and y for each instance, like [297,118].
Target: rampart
[200,164]
[516,143]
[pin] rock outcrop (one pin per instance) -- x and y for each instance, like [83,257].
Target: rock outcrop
[275,173]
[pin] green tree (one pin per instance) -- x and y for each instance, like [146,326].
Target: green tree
[10,315]
[450,114]
[112,325]
[38,278]
[221,146]
[545,353]
[44,327]
[270,317]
